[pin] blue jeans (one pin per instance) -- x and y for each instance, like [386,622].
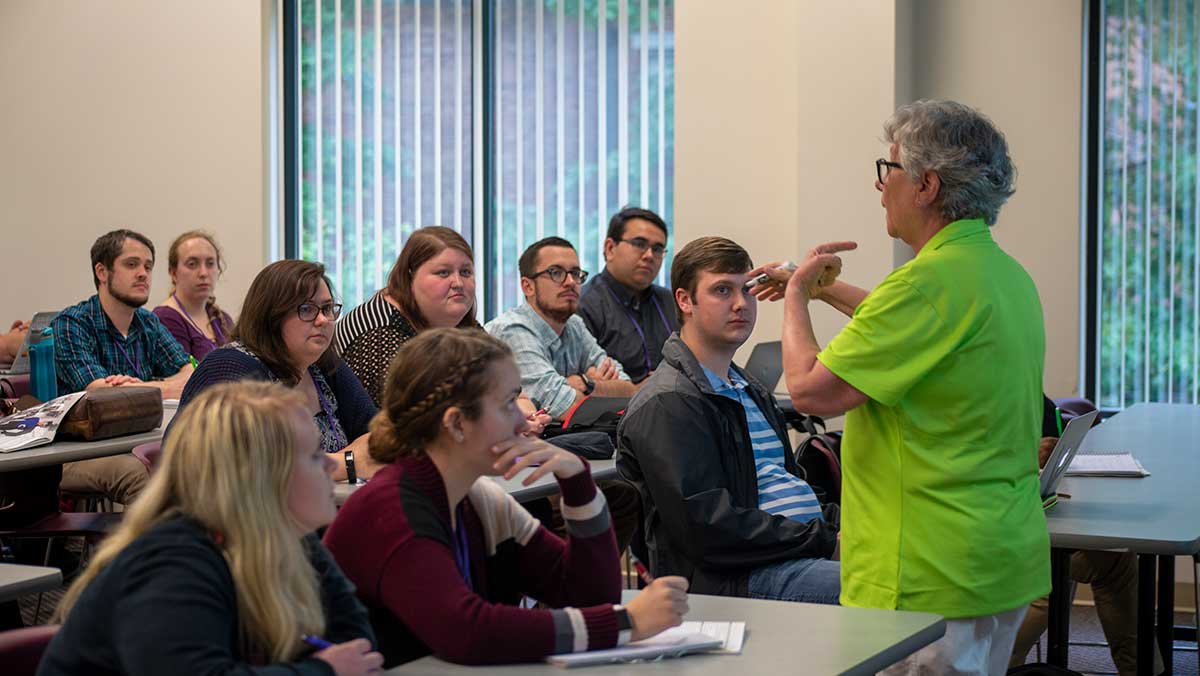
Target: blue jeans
[804,580]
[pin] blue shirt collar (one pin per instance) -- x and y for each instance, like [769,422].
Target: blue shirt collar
[720,386]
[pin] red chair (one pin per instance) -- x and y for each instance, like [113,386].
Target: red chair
[21,649]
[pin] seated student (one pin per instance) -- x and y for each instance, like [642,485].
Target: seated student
[560,361]
[441,558]
[190,312]
[631,316]
[216,569]
[432,285]
[708,449]
[1112,575]
[109,340]
[10,342]
[285,335]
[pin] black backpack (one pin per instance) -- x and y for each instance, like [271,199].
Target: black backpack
[819,457]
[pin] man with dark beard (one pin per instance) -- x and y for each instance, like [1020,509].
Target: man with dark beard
[108,340]
[560,361]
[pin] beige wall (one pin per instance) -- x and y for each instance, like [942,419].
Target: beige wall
[780,106]
[145,114]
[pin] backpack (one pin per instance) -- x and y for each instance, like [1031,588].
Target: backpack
[589,429]
[819,457]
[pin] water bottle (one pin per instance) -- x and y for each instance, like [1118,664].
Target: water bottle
[43,379]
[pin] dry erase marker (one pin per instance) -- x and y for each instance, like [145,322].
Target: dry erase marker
[641,569]
[764,277]
[316,641]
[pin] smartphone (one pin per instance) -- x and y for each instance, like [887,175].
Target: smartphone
[764,277]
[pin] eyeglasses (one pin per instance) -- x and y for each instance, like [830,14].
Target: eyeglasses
[642,244]
[557,274]
[880,172]
[307,312]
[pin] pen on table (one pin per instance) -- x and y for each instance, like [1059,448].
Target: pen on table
[641,569]
[316,641]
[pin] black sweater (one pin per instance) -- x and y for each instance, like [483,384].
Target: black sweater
[167,605]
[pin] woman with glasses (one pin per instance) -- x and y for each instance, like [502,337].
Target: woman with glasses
[285,334]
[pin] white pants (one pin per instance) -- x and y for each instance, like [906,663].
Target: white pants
[972,646]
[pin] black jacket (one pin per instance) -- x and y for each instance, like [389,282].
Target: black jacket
[688,451]
[167,605]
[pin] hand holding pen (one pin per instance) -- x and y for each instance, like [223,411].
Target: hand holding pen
[352,658]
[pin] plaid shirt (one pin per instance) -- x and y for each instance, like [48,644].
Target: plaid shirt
[88,347]
[545,358]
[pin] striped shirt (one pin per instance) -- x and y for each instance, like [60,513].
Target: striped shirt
[368,338]
[779,492]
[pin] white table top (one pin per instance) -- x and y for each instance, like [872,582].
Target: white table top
[1150,515]
[781,638]
[70,451]
[18,580]
[544,486]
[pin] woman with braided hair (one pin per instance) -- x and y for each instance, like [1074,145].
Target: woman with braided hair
[441,556]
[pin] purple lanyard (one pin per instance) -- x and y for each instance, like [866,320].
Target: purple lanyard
[339,438]
[216,332]
[462,548]
[638,327]
[137,367]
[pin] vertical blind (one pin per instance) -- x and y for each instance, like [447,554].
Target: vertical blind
[1148,286]
[584,117]
[582,107]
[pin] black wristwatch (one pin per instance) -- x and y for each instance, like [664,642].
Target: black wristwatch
[351,475]
[624,625]
[589,385]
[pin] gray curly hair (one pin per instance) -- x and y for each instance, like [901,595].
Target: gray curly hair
[966,150]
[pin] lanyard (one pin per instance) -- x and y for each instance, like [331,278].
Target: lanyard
[462,547]
[637,326]
[339,438]
[137,367]
[193,321]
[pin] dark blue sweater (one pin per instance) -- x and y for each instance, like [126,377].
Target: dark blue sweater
[228,364]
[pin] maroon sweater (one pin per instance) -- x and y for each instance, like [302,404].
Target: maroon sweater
[393,540]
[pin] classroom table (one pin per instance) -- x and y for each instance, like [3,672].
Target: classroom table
[1154,516]
[61,451]
[602,470]
[18,580]
[781,637]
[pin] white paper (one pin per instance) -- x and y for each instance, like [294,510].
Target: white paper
[674,642]
[1106,464]
[35,426]
[731,634]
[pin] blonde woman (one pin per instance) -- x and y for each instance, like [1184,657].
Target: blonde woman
[215,569]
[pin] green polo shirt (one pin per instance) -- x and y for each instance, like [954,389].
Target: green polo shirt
[940,506]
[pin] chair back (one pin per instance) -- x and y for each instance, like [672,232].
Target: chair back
[21,649]
[149,453]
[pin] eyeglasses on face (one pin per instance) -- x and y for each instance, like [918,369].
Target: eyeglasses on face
[642,244]
[557,274]
[307,312]
[880,172]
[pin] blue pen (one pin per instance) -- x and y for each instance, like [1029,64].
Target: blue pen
[316,641]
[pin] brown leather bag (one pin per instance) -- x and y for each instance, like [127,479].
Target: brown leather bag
[113,412]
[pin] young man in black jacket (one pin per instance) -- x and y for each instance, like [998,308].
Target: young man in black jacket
[708,449]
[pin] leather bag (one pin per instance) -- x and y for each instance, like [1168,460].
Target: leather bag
[112,412]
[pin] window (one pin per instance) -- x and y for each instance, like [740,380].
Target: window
[508,120]
[1144,223]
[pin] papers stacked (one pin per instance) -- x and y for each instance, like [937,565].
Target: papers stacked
[690,637]
[1106,464]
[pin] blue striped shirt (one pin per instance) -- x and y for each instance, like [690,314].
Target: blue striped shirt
[779,492]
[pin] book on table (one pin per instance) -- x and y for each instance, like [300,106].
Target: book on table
[686,639]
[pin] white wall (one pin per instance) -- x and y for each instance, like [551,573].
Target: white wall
[146,114]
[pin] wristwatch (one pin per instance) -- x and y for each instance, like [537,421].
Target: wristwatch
[624,625]
[589,385]
[351,476]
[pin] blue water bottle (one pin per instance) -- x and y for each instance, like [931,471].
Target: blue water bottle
[43,380]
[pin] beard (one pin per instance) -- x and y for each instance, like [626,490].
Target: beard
[126,299]
[559,314]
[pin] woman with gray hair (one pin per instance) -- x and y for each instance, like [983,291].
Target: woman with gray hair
[939,372]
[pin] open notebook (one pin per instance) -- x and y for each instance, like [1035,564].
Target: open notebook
[690,637]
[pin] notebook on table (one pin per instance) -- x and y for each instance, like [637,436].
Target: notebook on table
[674,642]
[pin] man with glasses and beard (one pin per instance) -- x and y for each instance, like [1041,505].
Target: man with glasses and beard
[631,316]
[560,362]
[109,340]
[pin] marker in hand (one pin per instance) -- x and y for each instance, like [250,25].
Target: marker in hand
[316,641]
[641,570]
[764,277]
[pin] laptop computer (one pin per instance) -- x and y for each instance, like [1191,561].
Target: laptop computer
[1064,452]
[20,365]
[766,363]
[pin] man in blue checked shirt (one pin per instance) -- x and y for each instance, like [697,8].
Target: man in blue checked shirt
[108,340]
[708,450]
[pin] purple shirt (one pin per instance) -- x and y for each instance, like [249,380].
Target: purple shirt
[193,341]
